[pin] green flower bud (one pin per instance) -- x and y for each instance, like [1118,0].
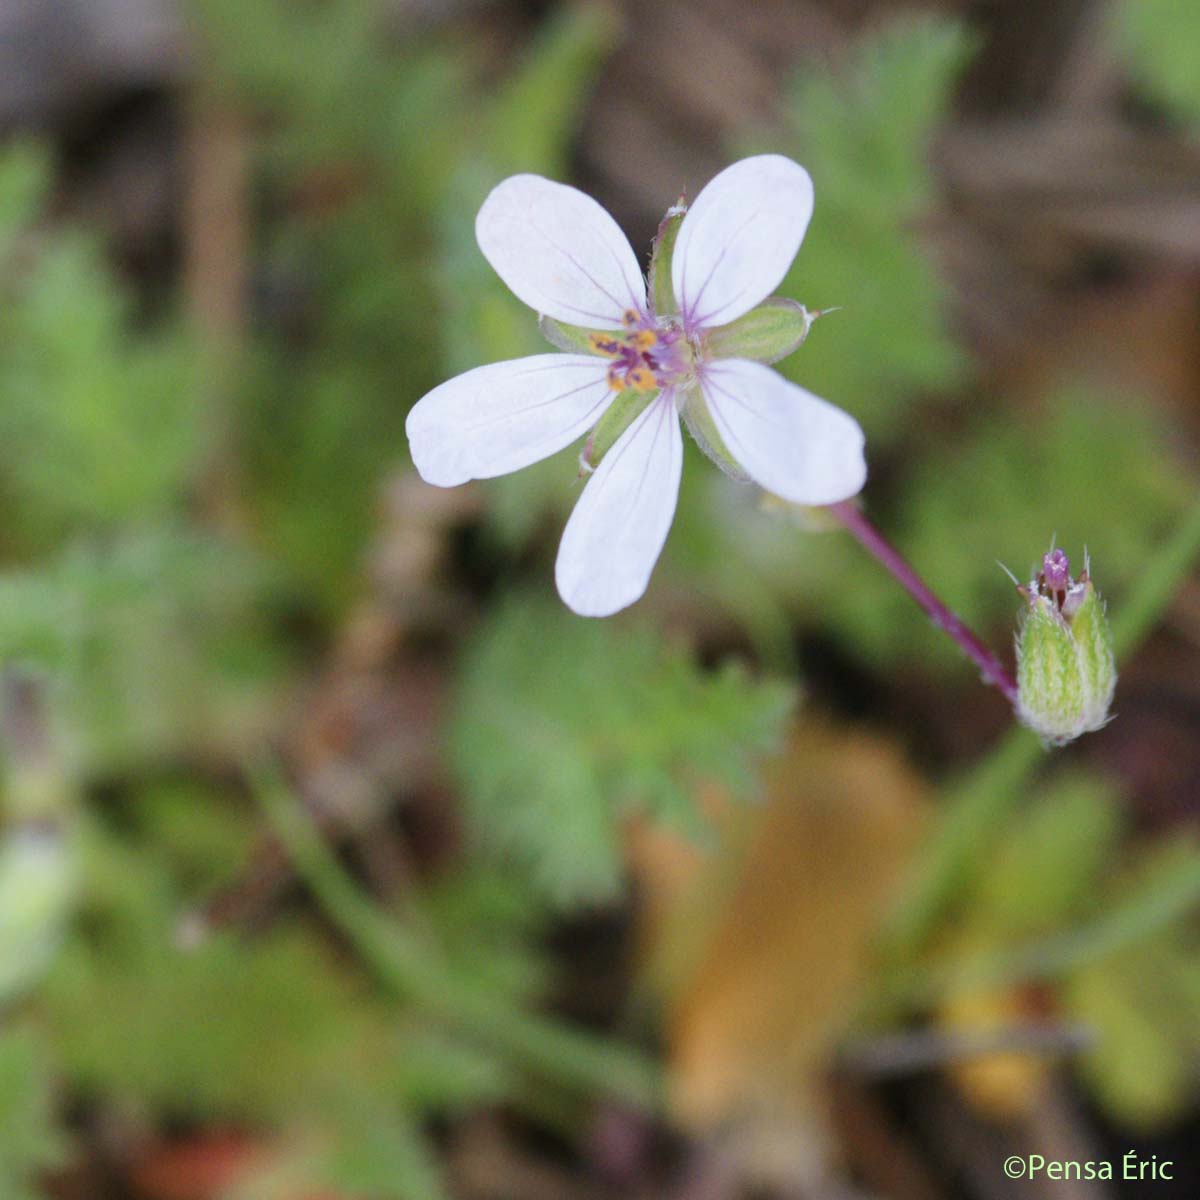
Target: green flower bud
[1065,668]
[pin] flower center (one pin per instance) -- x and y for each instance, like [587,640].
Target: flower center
[647,356]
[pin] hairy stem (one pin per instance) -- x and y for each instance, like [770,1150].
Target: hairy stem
[994,671]
[977,804]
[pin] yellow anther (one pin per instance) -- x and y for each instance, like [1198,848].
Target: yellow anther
[641,380]
[630,318]
[616,381]
[601,343]
[643,339]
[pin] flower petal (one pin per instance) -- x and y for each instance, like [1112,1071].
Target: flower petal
[789,441]
[560,252]
[739,238]
[504,416]
[616,533]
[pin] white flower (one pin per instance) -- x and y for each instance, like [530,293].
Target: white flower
[643,367]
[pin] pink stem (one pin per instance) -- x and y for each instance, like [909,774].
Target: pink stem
[994,672]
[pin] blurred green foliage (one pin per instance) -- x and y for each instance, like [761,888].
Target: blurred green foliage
[160,638]
[1160,39]
[150,640]
[1142,997]
[1052,860]
[29,1141]
[98,427]
[1046,475]
[1064,866]
[156,1014]
[590,731]
[172,628]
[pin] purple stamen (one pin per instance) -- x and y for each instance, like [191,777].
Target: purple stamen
[649,355]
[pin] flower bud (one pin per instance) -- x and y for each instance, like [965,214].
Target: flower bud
[1065,668]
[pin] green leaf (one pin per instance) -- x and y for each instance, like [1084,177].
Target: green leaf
[1051,863]
[38,871]
[1141,1004]
[148,641]
[564,726]
[97,426]
[537,110]
[30,1141]
[24,183]
[221,1031]
[1160,38]
[382,1153]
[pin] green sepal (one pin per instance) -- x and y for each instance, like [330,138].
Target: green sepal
[766,334]
[571,338]
[1049,686]
[661,288]
[1065,668]
[626,407]
[700,424]
[1090,628]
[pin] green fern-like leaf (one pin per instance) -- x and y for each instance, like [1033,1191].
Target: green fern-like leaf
[97,427]
[148,641]
[564,726]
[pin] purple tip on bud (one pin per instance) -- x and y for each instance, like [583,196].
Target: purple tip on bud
[1056,570]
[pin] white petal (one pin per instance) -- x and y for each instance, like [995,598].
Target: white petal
[791,442]
[560,252]
[739,238]
[504,416]
[616,533]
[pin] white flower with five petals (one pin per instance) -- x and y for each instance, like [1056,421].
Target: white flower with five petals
[695,348]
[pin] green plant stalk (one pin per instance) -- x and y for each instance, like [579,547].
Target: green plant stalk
[975,807]
[406,967]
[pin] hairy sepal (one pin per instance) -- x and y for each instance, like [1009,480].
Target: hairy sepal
[702,427]
[772,331]
[1065,668]
[573,339]
[660,288]
[625,408]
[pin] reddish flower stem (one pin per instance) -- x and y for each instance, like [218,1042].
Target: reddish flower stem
[994,671]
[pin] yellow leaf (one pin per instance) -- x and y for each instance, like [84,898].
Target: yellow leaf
[1004,1085]
[758,949]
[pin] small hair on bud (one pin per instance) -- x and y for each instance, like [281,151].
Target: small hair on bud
[1016,582]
